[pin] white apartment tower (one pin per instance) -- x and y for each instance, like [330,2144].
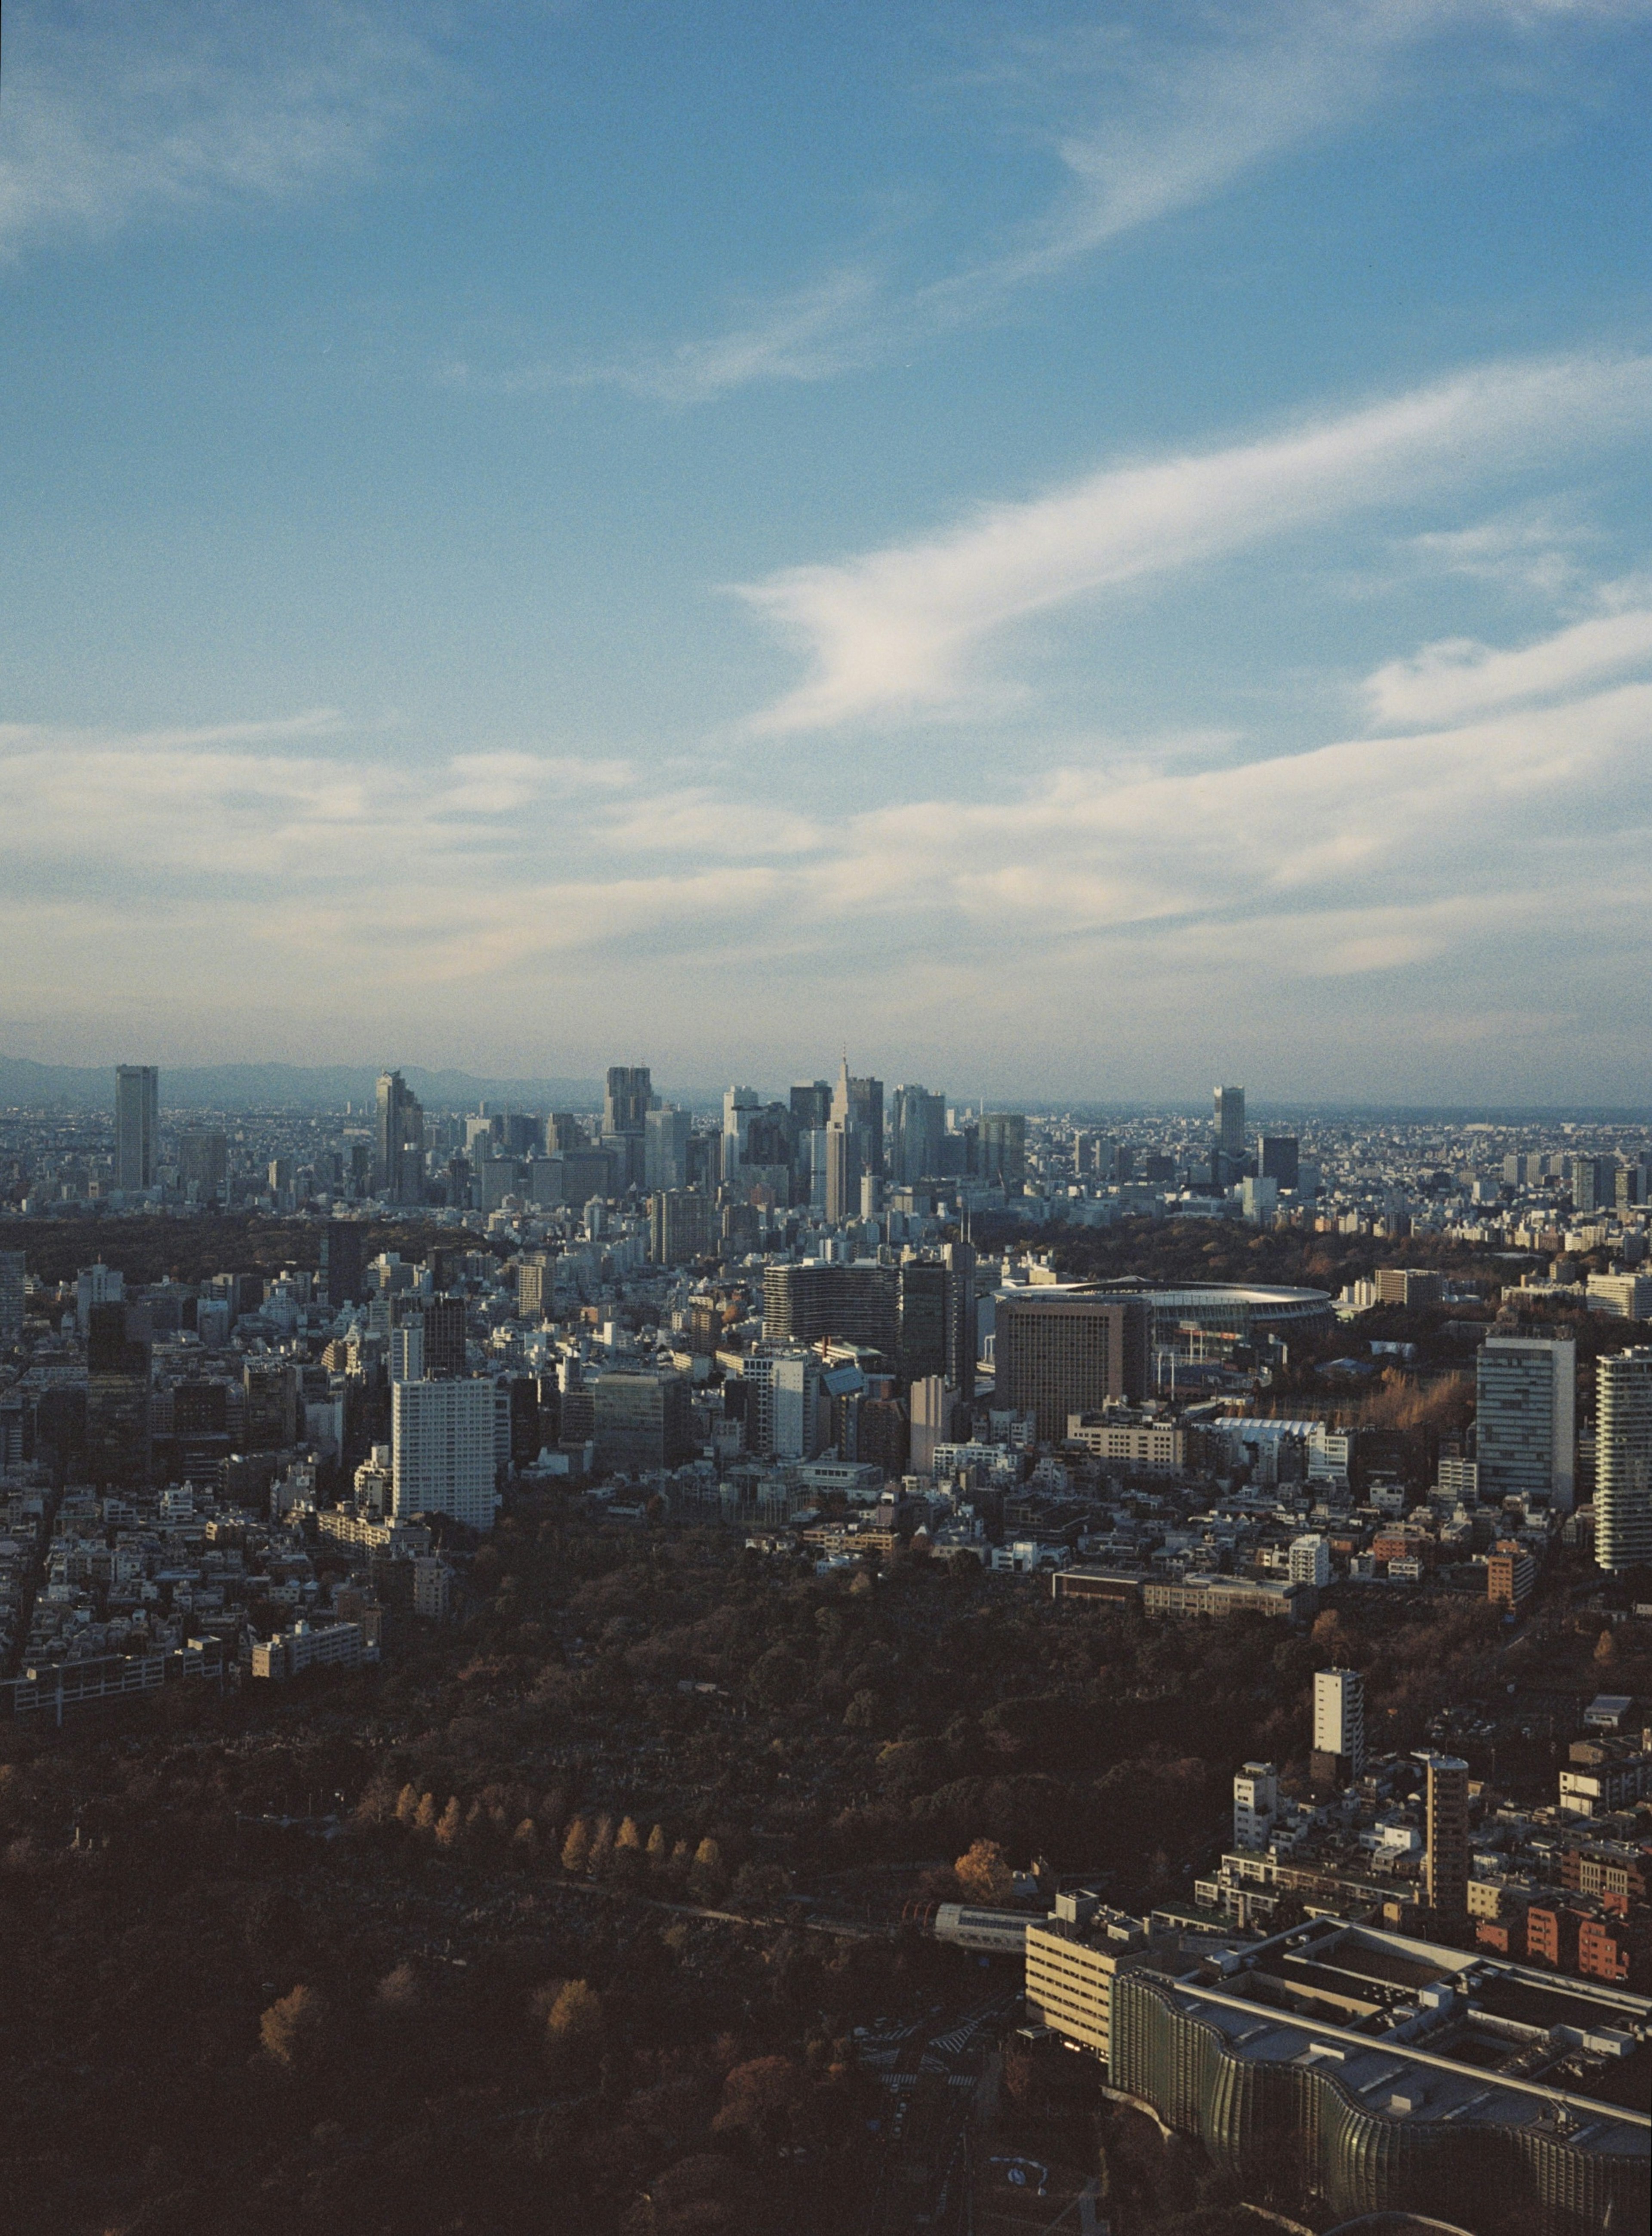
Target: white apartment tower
[1255,1804]
[442,1456]
[1340,1717]
[1310,1562]
[1623,1459]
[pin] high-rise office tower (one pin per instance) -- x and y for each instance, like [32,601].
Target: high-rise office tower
[1594,1183]
[444,1318]
[739,1105]
[1057,1355]
[1281,1159]
[399,1144]
[866,1113]
[1623,1459]
[137,1125]
[665,1153]
[117,1394]
[442,1450]
[962,1334]
[628,1093]
[1525,1444]
[1339,1725]
[1004,1152]
[923,1318]
[810,1106]
[1445,1853]
[917,1121]
[842,1173]
[342,1278]
[1229,1145]
[11,1293]
[407,1348]
[203,1165]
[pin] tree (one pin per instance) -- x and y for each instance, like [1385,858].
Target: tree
[601,1854]
[424,1815]
[524,1842]
[707,1877]
[627,1850]
[573,2028]
[983,1874]
[407,1805]
[659,1848]
[290,2030]
[399,1989]
[577,1847]
[1605,1649]
[450,1825]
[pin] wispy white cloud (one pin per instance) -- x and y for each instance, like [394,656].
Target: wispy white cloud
[896,632]
[1114,894]
[1458,677]
[141,108]
[1175,115]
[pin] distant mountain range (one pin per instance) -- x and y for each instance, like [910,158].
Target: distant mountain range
[280,1087]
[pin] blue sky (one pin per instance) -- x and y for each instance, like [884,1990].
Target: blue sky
[1080,549]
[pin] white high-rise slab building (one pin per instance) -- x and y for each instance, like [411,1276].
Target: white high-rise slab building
[1525,1419]
[1623,1459]
[441,1451]
[1339,1717]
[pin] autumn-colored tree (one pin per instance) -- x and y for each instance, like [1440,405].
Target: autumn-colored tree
[524,1842]
[761,2099]
[290,2030]
[983,1874]
[573,2028]
[577,1847]
[658,1850]
[450,1825]
[627,1851]
[707,1877]
[424,1815]
[399,1989]
[407,1805]
[1605,1649]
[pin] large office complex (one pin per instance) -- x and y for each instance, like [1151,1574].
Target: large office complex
[137,1126]
[1623,1459]
[1525,1415]
[1340,2071]
[1228,1148]
[441,1451]
[1066,1354]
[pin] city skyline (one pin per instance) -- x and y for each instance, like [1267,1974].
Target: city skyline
[1081,551]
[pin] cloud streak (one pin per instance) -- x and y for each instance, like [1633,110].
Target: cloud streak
[1459,677]
[126,111]
[1182,120]
[895,634]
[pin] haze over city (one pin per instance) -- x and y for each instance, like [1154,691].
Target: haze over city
[1084,550]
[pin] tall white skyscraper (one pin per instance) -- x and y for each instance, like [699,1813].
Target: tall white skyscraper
[137,1126]
[1623,1459]
[1526,1414]
[442,1456]
[1340,1717]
